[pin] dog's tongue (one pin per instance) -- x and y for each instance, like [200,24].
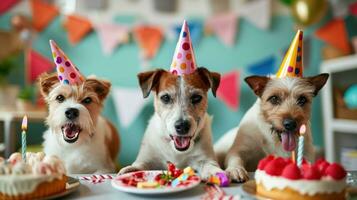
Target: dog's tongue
[71,131]
[288,141]
[182,142]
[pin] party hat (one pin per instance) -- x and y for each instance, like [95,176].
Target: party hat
[292,63]
[67,72]
[183,61]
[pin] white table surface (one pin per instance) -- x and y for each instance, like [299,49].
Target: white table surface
[105,191]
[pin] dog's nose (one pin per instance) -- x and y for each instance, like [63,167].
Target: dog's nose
[72,113]
[182,126]
[290,124]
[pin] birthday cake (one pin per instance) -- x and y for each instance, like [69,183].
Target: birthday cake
[37,177]
[280,178]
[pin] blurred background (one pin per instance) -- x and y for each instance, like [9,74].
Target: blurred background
[116,39]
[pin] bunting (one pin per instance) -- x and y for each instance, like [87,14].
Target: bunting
[112,35]
[77,28]
[229,90]
[225,27]
[263,67]
[42,14]
[257,12]
[5,5]
[149,39]
[36,65]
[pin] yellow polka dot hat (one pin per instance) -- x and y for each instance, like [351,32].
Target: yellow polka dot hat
[183,61]
[67,72]
[292,63]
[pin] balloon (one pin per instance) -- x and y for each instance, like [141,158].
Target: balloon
[350,97]
[308,12]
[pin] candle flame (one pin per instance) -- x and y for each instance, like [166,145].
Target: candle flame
[24,123]
[302,130]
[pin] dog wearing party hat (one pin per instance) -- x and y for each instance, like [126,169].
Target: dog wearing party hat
[271,125]
[180,129]
[78,134]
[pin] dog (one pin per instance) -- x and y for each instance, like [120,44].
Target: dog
[84,140]
[180,129]
[271,125]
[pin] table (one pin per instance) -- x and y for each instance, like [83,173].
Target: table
[9,115]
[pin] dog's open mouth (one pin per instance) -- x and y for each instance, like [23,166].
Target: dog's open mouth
[70,132]
[288,139]
[182,143]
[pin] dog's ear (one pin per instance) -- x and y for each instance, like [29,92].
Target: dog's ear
[46,82]
[149,80]
[257,83]
[100,87]
[318,81]
[211,78]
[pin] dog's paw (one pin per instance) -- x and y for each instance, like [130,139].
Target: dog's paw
[238,174]
[128,169]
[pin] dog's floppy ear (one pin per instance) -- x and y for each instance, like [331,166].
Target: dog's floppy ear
[149,80]
[46,82]
[211,78]
[100,87]
[257,83]
[318,81]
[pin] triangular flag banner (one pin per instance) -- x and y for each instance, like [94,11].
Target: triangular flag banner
[335,34]
[128,104]
[149,39]
[112,35]
[77,28]
[42,14]
[353,8]
[351,26]
[263,67]
[257,12]
[225,27]
[37,64]
[5,5]
[196,30]
[229,89]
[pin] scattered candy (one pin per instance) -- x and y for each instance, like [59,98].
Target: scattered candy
[152,184]
[220,179]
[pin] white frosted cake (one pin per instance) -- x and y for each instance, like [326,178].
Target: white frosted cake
[38,177]
[280,178]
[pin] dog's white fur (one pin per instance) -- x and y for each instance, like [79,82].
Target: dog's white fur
[157,147]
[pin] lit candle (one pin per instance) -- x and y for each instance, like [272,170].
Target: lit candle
[23,134]
[301,145]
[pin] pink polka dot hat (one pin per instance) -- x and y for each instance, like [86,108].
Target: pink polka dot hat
[183,61]
[67,72]
[292,63]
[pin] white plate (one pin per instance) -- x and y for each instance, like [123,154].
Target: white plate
[150,175]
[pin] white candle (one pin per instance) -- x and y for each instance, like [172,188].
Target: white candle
[301,145]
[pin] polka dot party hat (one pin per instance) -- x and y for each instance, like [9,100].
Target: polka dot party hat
[67,72]
[183,61]
[292,63]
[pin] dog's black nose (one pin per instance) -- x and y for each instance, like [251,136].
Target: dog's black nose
[72,113]
[182,126]
[289,124]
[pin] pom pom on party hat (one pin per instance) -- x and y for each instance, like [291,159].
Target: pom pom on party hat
[292,63]
[67,72]
[183,61]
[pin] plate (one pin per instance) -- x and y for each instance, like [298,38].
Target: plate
[72,185]
[249,187]
[118,184]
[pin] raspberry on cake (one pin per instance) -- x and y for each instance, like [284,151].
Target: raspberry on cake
[280,178]
[38,177]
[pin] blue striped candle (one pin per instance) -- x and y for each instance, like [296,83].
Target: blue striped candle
[301,145]
[23,135]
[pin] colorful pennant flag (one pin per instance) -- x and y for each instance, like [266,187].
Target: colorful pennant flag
[128,104]
[335,34]
[257,12]
[112,35]
[196,30]
[225,27]
[77,28]
[36,65]
[42,14]
[229,90]
[351,26]
[5,5]
[353,8]
[263,67]
[149,39]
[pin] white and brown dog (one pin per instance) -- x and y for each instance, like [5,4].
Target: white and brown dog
[180,129]
[78,134]
[271,125]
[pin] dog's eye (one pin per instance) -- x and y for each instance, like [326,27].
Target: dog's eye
[195,99]
[60,98]
[275,100]
[87,100]
[301,101]
[165,98]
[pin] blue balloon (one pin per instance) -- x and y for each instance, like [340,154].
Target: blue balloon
[350,97]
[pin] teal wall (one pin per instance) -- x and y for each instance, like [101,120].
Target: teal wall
[121,68]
